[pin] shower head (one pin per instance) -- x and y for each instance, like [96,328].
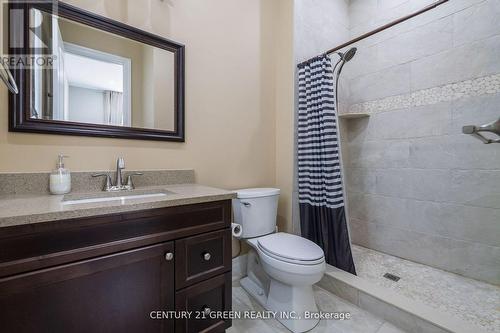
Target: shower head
[345,57]
[349,54]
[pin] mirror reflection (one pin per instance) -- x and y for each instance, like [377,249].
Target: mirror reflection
[100,78]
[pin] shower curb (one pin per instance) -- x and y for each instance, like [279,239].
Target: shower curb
[407,314]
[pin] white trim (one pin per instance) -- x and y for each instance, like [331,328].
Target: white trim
[115,59]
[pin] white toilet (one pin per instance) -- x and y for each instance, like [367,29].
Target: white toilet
[281,267]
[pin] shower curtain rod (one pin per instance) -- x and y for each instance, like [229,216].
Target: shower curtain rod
[385,26]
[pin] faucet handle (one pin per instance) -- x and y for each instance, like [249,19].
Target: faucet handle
[107,185]
[130,183]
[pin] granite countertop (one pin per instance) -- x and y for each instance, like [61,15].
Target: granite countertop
[28,209]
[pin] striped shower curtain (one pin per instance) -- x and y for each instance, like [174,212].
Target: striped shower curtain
[321,199]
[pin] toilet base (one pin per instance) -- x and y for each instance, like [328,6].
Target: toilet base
[289,302]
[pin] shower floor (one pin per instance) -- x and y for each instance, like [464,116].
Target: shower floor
[471,300]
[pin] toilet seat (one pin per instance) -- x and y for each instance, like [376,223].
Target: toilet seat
[291,249]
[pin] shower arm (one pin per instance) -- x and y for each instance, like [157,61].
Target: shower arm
[493,127]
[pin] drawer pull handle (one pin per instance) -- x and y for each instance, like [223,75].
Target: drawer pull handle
[246,204]
[206,310]
[169,256]
[207,256]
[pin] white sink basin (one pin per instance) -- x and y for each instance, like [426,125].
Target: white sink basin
[123,198]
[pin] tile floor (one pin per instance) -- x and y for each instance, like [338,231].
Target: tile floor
[471,300]
[360,322]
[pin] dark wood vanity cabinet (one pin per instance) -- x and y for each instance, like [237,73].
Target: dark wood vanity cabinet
[112,293]
[156,261]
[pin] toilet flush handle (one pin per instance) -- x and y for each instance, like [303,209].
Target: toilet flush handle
[246,204]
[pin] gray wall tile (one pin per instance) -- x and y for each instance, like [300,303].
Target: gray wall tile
[360,180]
[428,249]
[476,260]
[388,4]
[477,59]
[420,121]
[417,187]
[378,154]
[422,41]
[361,10]
[468,61]
[474,111]
[362,129]
[475,187]
[396,81]
[431,184]
[476,22]
[455,221]
[479,225]
[318,25]
[435,152]
[380,209]
[433,70]
[394,182]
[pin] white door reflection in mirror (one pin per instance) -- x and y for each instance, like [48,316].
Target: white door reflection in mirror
[98,86]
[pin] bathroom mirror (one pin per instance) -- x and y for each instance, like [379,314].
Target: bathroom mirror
[93,76]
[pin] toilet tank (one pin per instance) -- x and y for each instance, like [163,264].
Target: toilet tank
[255,209]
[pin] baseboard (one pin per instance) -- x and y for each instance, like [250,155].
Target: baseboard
[407,314]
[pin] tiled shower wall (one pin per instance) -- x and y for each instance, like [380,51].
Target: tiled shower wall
[318,25]
[417,187]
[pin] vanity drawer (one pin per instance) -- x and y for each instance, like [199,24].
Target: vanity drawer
[213,295]
[201,257]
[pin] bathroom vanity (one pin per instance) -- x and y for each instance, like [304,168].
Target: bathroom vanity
[122,270]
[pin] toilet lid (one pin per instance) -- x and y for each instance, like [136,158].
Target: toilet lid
[292,247]
[248,193]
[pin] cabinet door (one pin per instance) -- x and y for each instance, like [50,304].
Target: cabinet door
[207,302]
[113,293]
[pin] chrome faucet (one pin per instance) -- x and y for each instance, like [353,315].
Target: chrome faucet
[120,165]
[118,186]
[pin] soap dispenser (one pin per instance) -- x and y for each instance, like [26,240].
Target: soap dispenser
[60,178]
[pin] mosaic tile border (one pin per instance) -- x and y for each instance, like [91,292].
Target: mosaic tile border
[449,92]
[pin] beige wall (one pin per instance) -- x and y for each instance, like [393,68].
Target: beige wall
[284,106]
[239,113]
[230,117]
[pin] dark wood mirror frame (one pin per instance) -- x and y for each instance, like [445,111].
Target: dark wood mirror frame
[19,105]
